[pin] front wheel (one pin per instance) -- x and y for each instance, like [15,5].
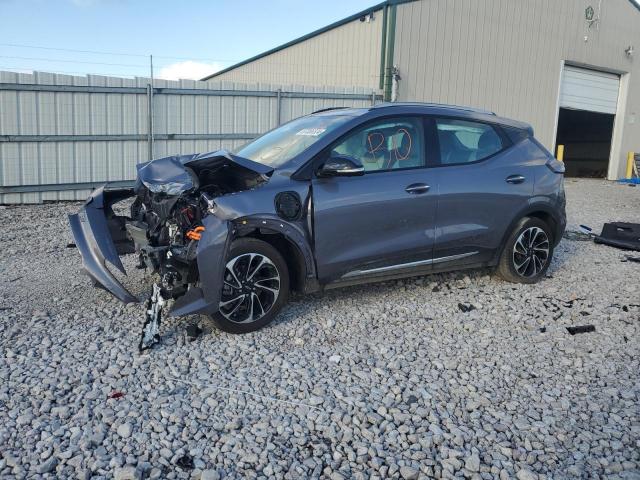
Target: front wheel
[527,253]
[256,287]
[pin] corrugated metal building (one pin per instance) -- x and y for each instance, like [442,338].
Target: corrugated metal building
[568,67]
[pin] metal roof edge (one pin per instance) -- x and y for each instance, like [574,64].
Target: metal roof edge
[301,39]
[635,4]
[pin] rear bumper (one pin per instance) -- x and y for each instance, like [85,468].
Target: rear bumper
[93,237]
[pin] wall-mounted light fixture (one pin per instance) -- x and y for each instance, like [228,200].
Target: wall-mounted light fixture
[629,51]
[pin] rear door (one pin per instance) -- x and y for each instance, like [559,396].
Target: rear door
[384,220]
[483,180]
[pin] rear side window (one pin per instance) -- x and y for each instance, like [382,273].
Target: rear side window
[462,141]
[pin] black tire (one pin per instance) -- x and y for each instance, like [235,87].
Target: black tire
[526,266]
[241,250]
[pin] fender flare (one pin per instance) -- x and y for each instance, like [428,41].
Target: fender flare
[536,204]
[289,230]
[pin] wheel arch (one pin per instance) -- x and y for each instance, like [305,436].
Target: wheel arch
[541,211]
[289,240]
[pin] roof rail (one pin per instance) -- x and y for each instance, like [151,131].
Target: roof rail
[328,109]
[435,105]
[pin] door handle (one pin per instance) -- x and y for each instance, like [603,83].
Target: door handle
[515,179]
[417,188]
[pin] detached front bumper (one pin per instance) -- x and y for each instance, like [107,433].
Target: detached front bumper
[101,237]
[93,230]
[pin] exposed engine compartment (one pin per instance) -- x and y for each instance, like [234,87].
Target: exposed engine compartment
[173,195]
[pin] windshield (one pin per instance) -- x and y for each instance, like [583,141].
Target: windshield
[282,144]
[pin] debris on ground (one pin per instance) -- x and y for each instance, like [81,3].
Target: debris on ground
[620,235]
[466,307]
[193,331]
[581,329]
[115,394]
[629,258]
[185,462]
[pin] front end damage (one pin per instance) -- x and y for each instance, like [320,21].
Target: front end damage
[175,227]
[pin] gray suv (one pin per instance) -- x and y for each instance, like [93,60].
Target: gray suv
[338,197]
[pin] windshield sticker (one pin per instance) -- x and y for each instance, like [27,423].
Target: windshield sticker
[311,132]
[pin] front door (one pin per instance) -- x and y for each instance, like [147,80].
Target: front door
[384,220]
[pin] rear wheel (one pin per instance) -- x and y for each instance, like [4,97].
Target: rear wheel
[527,254]
[256,287]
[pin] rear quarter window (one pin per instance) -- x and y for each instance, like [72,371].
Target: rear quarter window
[463,141]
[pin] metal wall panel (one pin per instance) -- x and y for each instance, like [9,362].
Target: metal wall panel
[507,56]
[40,105]
[346,55]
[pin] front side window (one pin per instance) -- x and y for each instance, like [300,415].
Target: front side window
[388,144]
[278,146]
[462,141]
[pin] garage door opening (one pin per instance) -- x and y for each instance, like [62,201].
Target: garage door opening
[587,108]
[586,137]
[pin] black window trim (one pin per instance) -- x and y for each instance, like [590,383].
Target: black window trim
[427,125]
[506,141]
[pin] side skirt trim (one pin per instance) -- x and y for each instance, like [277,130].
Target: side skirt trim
[431,261]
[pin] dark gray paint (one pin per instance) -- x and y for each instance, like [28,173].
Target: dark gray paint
[94,242]
[369,221]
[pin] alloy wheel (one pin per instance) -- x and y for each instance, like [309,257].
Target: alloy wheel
[531,252]
[251,288]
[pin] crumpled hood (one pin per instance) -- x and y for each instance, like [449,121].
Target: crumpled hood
[169,175]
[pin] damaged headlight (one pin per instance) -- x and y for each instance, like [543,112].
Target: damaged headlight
[169,188]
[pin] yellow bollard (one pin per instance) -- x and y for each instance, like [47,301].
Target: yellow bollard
[560,155]
[629,165]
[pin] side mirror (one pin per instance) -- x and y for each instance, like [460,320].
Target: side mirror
[341,166]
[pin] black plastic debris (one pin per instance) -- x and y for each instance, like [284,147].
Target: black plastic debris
[543,329]
[71,245]
[581,329]
[193,332]
[620,235]
[185,462]
[625,308]
[629,258]
[466,307]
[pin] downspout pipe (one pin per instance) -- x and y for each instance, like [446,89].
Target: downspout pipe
[391,40]
[383,46]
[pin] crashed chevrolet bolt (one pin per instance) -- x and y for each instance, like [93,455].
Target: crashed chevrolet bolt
[335,198]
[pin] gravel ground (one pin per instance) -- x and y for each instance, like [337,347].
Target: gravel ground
[389,380]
